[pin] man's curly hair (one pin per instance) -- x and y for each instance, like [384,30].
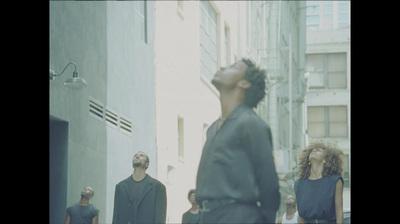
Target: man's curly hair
[334,159]
[256,77]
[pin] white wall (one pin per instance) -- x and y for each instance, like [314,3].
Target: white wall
[182,91]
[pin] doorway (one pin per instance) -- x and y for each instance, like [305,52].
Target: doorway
[58,169]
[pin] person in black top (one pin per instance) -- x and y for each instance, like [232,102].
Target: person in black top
[319,189]
[193,215]
[83,212]
[140,198]
[236,179]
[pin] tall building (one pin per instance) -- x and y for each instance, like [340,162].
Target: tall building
[328,64]
[95,131]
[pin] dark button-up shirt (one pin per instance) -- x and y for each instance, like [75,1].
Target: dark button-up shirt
[237,162]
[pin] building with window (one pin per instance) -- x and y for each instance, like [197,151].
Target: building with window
[328,63]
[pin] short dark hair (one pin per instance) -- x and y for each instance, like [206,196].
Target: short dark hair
[191,192]
[256,77]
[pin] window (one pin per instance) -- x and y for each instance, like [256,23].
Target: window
[227,46]
[171,175]
[312,7]
[312,15]
[327,121]
[327,15]
[327,71]
[141,19]
[315,63]
[327,21]
[316,122]
[208,40]
[337,121]
[180,9]
[336,70]
[180,4]
[181,149]
[343,14]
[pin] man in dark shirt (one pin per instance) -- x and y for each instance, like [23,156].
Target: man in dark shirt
[140,198]
[83,212]
[236,180]
[193,215]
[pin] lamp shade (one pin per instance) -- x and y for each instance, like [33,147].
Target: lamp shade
[75,82]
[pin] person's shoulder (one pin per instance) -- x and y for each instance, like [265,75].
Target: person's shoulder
[73,205]
[94,208]
[186,213]
[281,218]
[124,180]
[335,177]
[299,181]
[155,181]
[251,118]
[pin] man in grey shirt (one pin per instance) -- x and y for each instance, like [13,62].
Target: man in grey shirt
[83,212]
[236,179]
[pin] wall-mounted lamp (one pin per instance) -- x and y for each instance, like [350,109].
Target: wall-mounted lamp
[73,83]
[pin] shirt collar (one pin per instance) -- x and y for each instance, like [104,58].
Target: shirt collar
[237,111]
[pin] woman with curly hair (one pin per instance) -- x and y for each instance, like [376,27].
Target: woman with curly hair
[318,190]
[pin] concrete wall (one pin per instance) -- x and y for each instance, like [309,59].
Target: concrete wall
[100,38]
[78,34]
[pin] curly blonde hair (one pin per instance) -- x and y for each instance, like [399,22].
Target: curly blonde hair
[334,159]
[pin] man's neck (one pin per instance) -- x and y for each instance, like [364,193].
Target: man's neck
[84,201]
[290,210]
[138,174]
[195,208]
[229,101]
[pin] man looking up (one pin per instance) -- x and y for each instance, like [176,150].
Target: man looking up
[140,198]
[236,179]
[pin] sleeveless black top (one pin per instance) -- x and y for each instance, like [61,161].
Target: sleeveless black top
[316,198]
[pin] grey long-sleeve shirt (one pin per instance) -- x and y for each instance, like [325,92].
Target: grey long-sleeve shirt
[237,163]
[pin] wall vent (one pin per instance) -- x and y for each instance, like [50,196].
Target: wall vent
[111,118]
[125,125]
[96,109]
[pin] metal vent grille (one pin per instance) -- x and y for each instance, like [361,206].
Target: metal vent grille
[110,117]
[96,109]
[125,125]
